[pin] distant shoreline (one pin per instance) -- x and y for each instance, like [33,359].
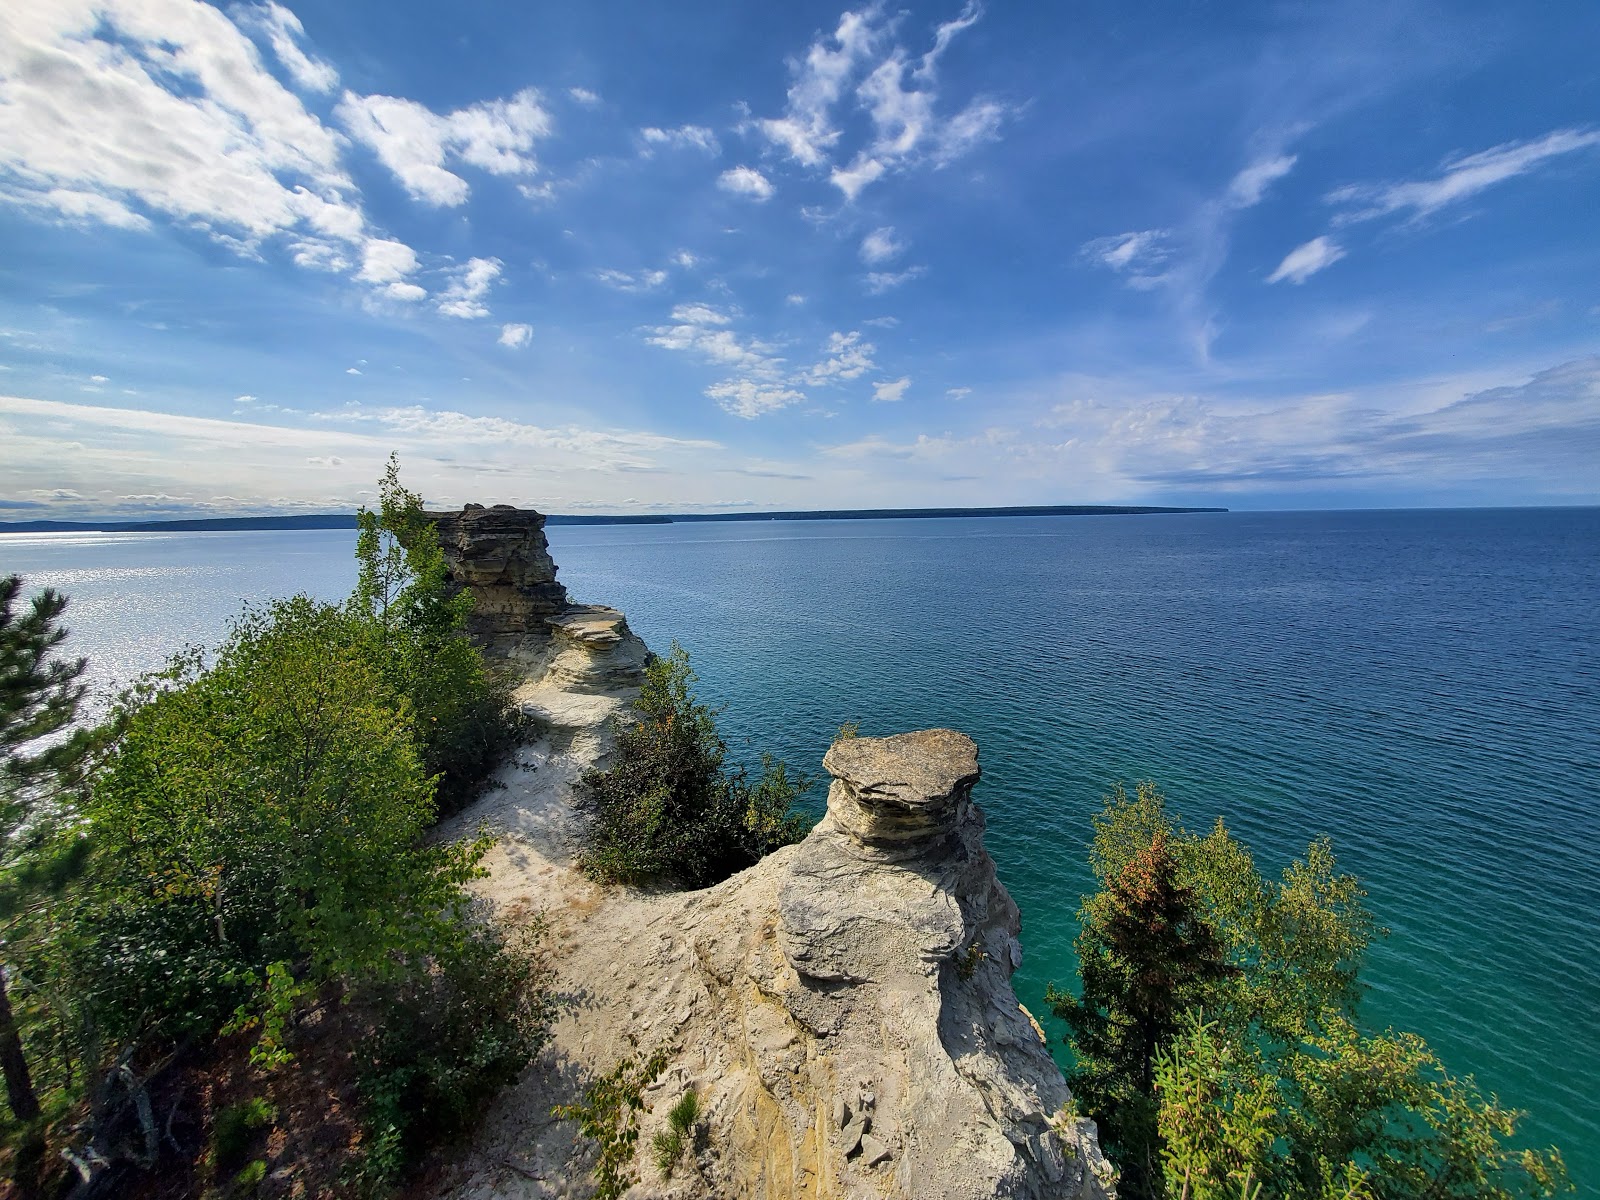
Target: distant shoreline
[348,520]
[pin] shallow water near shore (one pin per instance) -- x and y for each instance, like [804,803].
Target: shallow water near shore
[1423,687]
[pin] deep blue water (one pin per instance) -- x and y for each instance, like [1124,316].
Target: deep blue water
[1423,687]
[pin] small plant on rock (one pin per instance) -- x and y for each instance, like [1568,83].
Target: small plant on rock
[609,1113]
[672,1142]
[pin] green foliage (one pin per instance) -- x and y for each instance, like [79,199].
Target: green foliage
[412,622]
[235,1127]
[609,1114]
[1146,953]
[670,807]
[260,816]
[42,763]
[1275,1091]
[253,845]
[670,1144]
[447,1033]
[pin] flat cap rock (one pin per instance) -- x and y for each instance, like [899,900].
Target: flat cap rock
[897,795]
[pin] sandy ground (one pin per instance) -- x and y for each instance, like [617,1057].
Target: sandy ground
[521,1150]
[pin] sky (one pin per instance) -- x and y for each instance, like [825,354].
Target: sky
[609,257]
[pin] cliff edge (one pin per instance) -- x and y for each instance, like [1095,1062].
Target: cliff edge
[843,1008]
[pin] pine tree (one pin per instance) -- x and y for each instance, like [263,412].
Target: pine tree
[1147,953]
[39,698]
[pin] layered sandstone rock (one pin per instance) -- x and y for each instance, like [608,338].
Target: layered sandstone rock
[843,1008]
[521,614]
[502,555]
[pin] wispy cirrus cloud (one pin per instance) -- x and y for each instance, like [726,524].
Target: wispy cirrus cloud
[1459,178]
[284,33]
[683,137]
[468,286]
[861,61]
[763,380]
[1304,261]
[880,246]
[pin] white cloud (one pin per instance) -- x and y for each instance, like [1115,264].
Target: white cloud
[584,96]
[1251,184]
[806,129]
[164,106]
[699,314]
[848,357]
[414,142]
[352,371]
[1301,263]
[746,181]
[1136,253]
[879,282]
[515,336]
[958,393]
[82,207]
[463,297]
[386,261]
[99,379]
[880,246]
[899,94]
[852,179]
[882,322]
[684,259]
[246,399]
[891,391]
[284,33]
[1461,178]
[749,399]
[642,281]
[690,137]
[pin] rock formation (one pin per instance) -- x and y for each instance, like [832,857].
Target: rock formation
[502,555]
[843,1008]
[520,613]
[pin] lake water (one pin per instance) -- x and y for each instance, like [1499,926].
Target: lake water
[1423,687]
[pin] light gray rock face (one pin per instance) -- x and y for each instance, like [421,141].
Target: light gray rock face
[502,555]
[854,1032]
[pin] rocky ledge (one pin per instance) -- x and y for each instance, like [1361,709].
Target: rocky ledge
[843,1008]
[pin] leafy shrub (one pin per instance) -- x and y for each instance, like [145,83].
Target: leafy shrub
[447,1033]
[236,1125]
[670,807]
[609,1113]
[412,624]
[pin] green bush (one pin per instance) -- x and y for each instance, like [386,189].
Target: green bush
[446,1034]
[670,808]
[609,1114]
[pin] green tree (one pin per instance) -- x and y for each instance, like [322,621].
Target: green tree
[265,810]
[670,806]
[1264,1082]
[41,760]
[1146,954]
[412,622]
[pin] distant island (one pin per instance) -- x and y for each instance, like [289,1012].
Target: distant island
[348,520]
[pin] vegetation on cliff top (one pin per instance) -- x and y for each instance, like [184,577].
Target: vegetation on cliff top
[227,931]
[670,807]
[1218,1041]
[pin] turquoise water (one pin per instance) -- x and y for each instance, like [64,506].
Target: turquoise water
[1424,687]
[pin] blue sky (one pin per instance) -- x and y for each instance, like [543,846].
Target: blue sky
[608,257]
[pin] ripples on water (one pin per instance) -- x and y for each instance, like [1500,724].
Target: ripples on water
[1424,687]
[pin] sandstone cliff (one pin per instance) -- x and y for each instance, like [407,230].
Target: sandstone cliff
[844,1008]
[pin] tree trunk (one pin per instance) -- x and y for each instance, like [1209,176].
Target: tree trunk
[19,1083]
